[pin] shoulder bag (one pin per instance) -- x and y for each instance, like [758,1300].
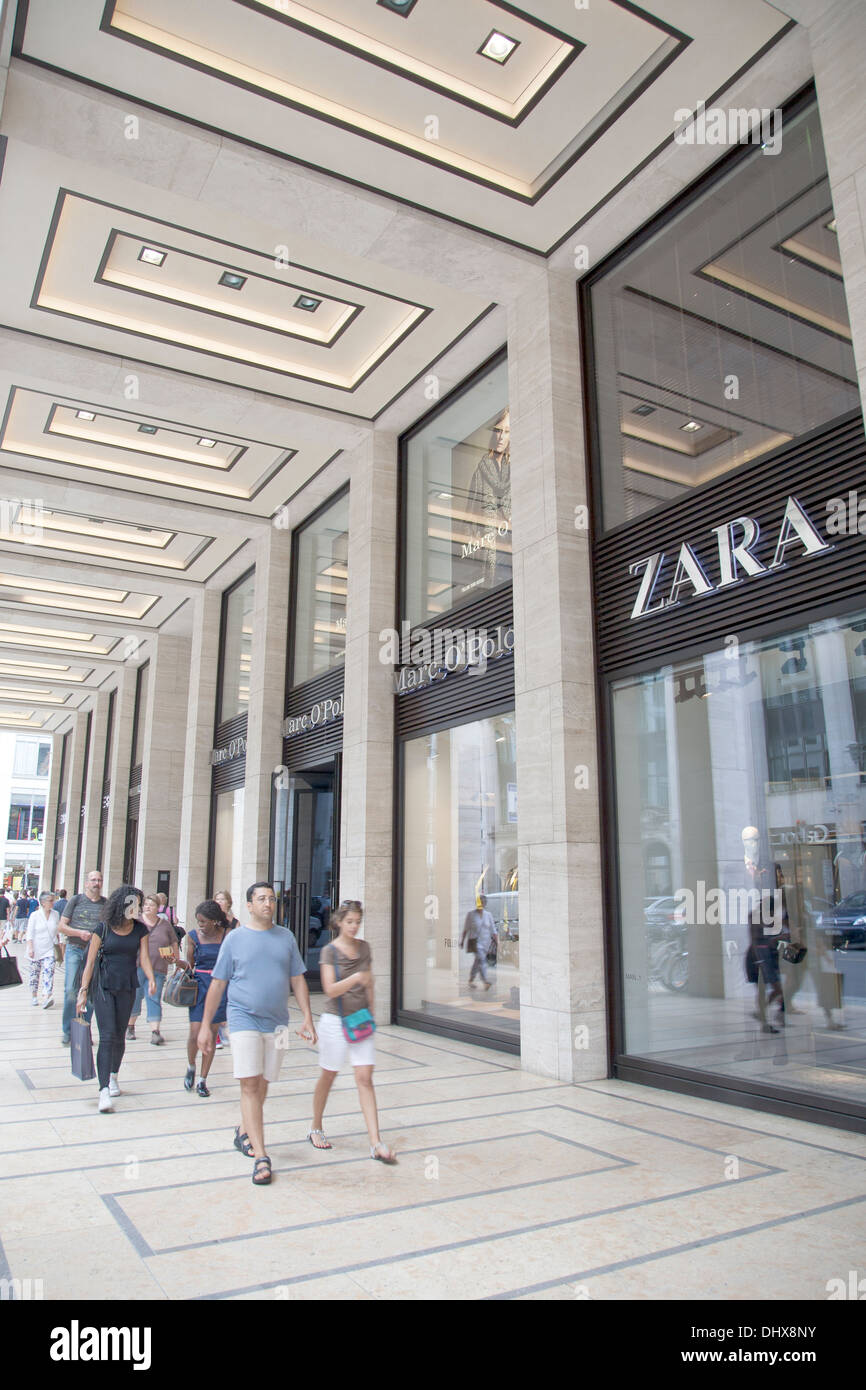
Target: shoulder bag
[9,972]
[181,990]
[358,1025]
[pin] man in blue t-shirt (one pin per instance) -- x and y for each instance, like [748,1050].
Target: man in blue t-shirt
[262,963]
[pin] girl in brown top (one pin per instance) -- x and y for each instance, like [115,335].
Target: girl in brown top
[347,979]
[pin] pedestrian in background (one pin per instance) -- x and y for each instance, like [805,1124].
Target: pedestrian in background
[42,928]
[81,917]
[163,944]
[202,949]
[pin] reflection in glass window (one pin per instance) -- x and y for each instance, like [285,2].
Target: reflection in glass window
[726,334]
[26,816]
[460,877]
[141,684]
[31,759]
[228,847]
[457,486]
[321,590]
[741,794]
[237,647]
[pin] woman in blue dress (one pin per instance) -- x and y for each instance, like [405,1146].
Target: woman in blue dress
[202,948]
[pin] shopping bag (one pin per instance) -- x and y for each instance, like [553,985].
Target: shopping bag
[830,990]
[9,973]
[81,1050]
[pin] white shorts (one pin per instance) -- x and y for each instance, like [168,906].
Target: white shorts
[334,1046]
[257,1054]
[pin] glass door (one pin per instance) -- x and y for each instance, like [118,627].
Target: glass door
[306,849]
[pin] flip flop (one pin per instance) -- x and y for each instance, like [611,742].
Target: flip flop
[380,1158]
[321,1133]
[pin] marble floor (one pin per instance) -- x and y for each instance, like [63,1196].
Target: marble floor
[509,1186]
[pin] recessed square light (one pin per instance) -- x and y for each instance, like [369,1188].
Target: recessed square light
[403,7]
[644,410]
[151,256]
[207,443]
[691,426]
[308,302]
[147,429]
[232,280]
[84,415]
[498,47]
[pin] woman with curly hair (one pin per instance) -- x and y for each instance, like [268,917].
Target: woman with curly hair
[118,948]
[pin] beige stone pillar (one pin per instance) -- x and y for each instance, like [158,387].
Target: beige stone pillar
[162,762]
[74,797]
[837,39]
[93,782]
[267,699]
[196,797]
[121,753]
[562,983]
[366,834]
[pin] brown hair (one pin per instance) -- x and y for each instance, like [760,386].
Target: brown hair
[224,893]
[341,913]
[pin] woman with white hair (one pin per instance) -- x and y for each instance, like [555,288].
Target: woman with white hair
[41,939]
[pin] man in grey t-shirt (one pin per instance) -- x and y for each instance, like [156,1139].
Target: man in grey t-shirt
[262,963]
[82,914]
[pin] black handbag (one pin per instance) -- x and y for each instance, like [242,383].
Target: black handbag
[792,951]
[493,952]
[9,972]
[181,990]
[471,945]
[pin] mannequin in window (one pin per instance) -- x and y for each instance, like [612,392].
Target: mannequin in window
[490,501]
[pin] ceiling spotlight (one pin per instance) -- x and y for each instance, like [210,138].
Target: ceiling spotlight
[151,256]
[498,47]
[207,443]
[691,426]
[308,302]
[403,7]
[147,429]
[232,280]
[644,410]
[84,415]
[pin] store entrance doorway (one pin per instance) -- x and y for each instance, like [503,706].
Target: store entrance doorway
[306,858]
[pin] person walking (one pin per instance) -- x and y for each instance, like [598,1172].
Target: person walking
[224,898]
[80,919]
[22,911]
[261,962]
[5,908]
[203,945]
[346,968]
[162,943]
[117,946]
[42,928]
[479,928]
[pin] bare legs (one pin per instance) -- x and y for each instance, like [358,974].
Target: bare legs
[254,1090]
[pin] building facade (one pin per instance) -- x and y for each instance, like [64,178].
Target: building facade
[561,622]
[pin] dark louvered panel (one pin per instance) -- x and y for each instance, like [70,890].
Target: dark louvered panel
[230,775]
[230,769]
[325,739]
[826,465]
[473,693]
[231,729]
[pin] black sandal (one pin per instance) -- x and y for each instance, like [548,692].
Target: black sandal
[261,1181]
[242,1143]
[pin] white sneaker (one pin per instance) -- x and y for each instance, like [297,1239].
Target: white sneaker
[49,1004]
[113,1088]
[35,1003]
[105,1106]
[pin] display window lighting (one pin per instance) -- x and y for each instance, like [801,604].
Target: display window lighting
[232,280]
[151,256]
[498,47]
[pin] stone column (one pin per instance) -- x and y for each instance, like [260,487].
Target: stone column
[196,797]
[52,797]
[162,762]
[93,782]
[74,798]
[121,754]
[267,699]
[562,983]
[837,38]
[366,834]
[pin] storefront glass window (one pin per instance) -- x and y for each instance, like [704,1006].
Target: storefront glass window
[228,835]
[726,334]
[140,712]
[741,813]
[321,589]
[237,648]
[457,489]
[460,873]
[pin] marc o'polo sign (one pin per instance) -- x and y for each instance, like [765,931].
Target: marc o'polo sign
[321,713]
[235,748]
[666,580]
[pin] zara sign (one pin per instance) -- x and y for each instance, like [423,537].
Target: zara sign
[735,543]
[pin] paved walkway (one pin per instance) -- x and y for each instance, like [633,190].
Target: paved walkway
[508,1186]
